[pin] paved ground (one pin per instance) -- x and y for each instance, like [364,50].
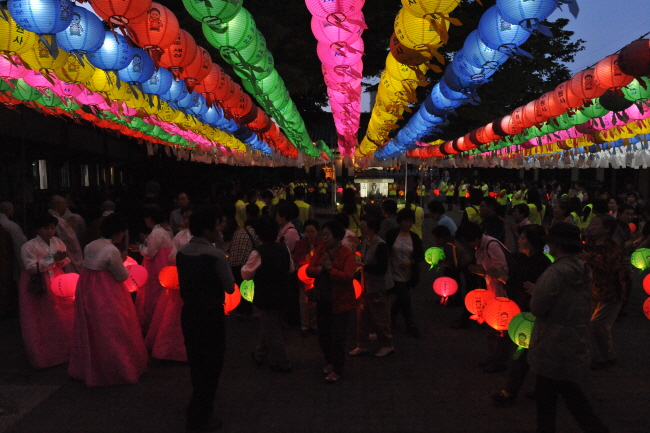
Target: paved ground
[430,384]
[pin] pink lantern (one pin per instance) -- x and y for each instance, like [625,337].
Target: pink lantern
[138,276]
[340,31]
[340,53]
[38,80]
[130,261]
[445,287]
[11,70]
[65,285]
[340,10]
[67,90]
[87,97]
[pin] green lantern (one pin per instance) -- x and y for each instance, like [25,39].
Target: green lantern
[433,256]
[247,290]
[237,33]
[520,329]
[49,99]
[264,86]
[213,12]
[24,91]
[641,258]
[550,257]
[636,92]
[6,85]
[248,55]
[595,109]
[548,127]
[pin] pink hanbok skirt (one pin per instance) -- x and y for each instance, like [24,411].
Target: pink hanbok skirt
[165,337]
[107,344]
[149,294]
[46,322]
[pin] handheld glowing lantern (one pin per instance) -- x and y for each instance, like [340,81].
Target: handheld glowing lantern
[65,285]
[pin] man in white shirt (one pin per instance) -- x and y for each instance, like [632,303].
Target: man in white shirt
[176,217]
[66,232]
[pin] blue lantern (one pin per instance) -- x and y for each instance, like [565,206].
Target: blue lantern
[84,35]
[480,55]
[159,83]
[211,115]
[439,100]
[114,54]
[43,17]
[462,67]
[199,107]
[140,69]
[177,90]
[230,127]
[498,34]
[189,100]
[452,94]
[528,13]
[460,83]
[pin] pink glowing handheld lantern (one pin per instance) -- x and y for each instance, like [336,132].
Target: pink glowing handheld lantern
[137,278]
[65,285]
[445,287]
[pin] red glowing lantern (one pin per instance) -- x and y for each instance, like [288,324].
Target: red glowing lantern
[168,278]
[475,302]
[130,261]
[509,125]
[138,276]
[357,288]
[198,69]
[445,287]
[564,97]
[158,31]
[646,308]
[608,74]
[339,190]
[632,227]
[634,58]
[302,275]
[65,285]
[121,13]
[533,115]
[179,54]
[231,301]
[549,106]
[499,312]
[436,191]
[646,284]
[584,85]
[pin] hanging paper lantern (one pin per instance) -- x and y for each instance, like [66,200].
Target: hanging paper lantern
[85,34]
[328,33]
[179,54]
[527,14]
[417,33]
[584,85]
[408,56]
[177,91]
[231,300]
[445,287]
[548,106]
[637,92]
[634,58]
[641,258]
[157,32]
[499,311]
[533,115]
[121,13]
[236,33]
[475,302]
[65,285]
[138,276]
[302,275]
[40,59]
[73,71]
[520,329]
[646,284]
[343,8]
[613,101]
[168,278]
[247,290]
[10,70]
[499,34]
[608,74]
[213,12]
[198,69]
[480,55]
[43,17]
[14,39]
[140,69]
[160,82]
[646,308]
[420,8]
[564,96]
[114,54]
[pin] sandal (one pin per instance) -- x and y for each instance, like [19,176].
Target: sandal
[502,397]
[332,377]
[328,369]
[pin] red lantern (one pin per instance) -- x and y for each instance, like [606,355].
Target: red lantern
[475,302]
[168,278]
[302,275]
[646,284]
[158,31]
[436,191]
[198,69]
[646,308]
[179,54]
[549,106]
[564,97]
[445,287]
[242,106]
[632,227]
[487,133]
[357,288]
[231,301]
[224,89]
[499,312]
[121,13]
[608,75]
[261,123]
[634,58]
[65,285]
[584,86]
[509,126]
[138,276]
[251,115]
[209,83]
[533,115]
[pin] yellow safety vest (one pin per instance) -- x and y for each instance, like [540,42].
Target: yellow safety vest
[473,215]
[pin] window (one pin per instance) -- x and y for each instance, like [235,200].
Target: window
[65,176]
[85,177]
[39,171]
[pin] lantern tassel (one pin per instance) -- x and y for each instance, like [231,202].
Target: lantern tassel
[51,46]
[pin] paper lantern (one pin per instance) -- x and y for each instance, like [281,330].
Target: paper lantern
[344,8]
[548,106]
[247,289]
[358,288]
[140,69]
[157,32]
[584,85]
[417,33]
[533,115]
[641,258]
[499,311]
[213,12]
[637,92]
[236,33]
[527,14]
[138,276]
[10,70]
[420,8]
[520,329]
[646,284]
[550,257]
[64,285]
[646,308]
[179,54]
[475,302]
[612,101]
[500,35]
[198,69]
[73,71]
[129,261]
[634,58]
[564,96]
[168,278]
[122,13]
[85,34]
[43,17]
[608,74]
[160,82]
[328,32]
[302,275]
[14,39]
[231,300]
[445,287]
[433,255]
[114,54]
[177,91]
[480,55]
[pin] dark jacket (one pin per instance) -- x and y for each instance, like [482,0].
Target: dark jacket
[418,253]
[527,269]
[272,277]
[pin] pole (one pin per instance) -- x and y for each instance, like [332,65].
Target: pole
[406,178]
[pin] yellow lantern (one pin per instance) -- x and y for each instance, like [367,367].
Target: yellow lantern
[138,100]
[418,33]
[14,39]
[153,105]
[39,58]
[404,72]
[101,81]
[74,72]
[436,12]
[120,91]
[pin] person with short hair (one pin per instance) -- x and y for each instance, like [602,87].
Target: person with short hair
[411,198]
[107,344]
[493,225]
[66,233]
[244,241]
[389,212]
[176,220]
[305,211]
[46,319]
[302,254]
[437,211]
[204,277]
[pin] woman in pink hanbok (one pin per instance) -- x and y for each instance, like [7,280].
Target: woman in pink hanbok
[45,319]
[165,337]
[155,250]
[107,344]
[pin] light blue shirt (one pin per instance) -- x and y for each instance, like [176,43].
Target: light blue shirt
[449,223]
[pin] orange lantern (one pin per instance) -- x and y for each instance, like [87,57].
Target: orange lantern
[158,31]
[499,312]
[231,301]
[584,86]
[548,106]
[646,308]
[179,54]
[565,97]
[357,288]
[475,302]
[646,284]
[445,287]
[65,285]
[608,75]
[168,278]
[509,126]
[198,69]
[533,115]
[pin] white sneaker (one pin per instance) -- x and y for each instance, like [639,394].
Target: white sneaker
[359,351]
[385,351]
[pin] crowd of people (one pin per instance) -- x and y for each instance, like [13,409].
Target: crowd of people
[305,275]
